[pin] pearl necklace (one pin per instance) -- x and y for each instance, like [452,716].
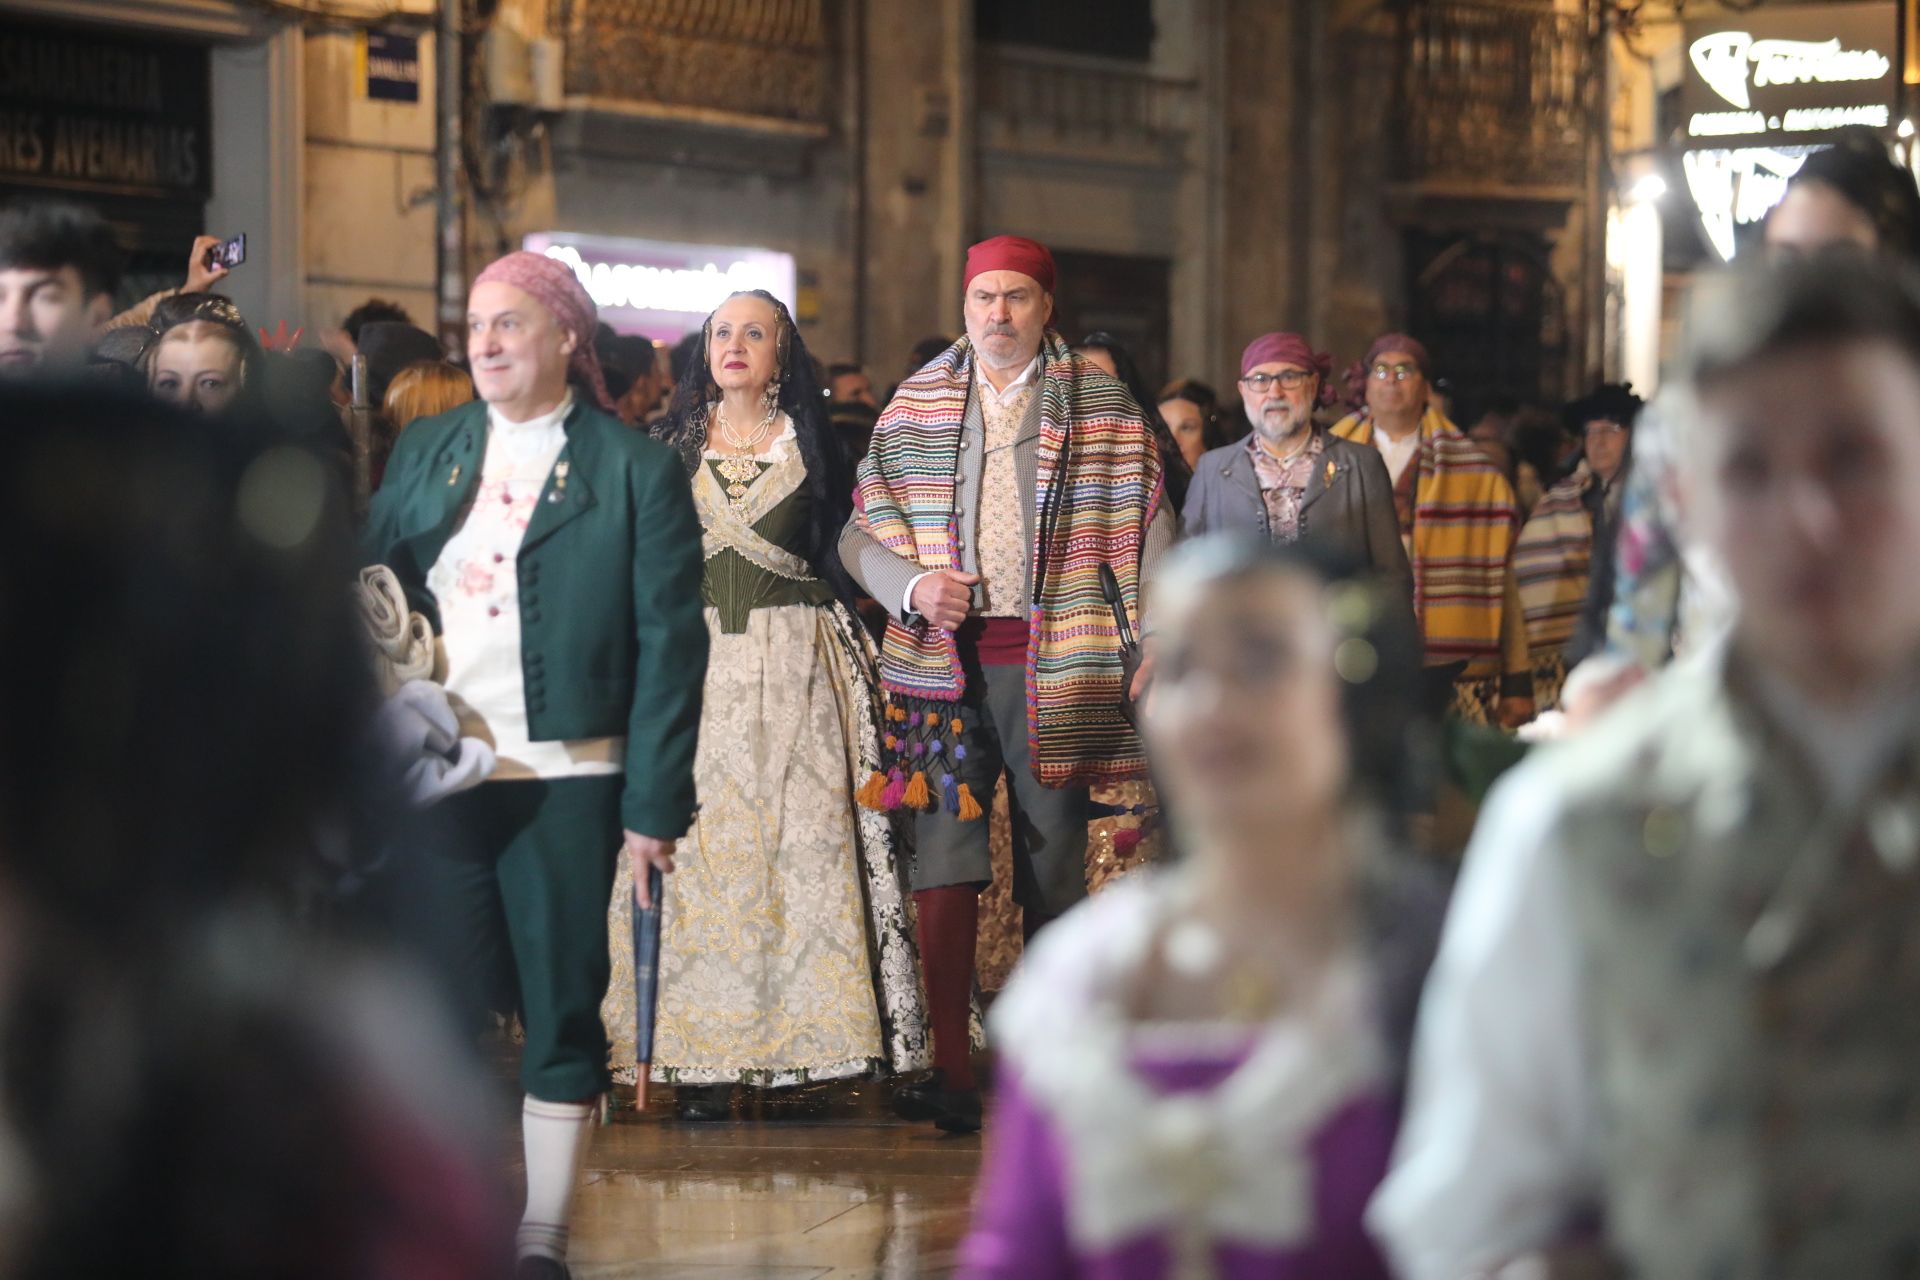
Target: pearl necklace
[741,468]
[748,444]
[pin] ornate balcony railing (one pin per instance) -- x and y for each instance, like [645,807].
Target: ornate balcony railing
[766,58]
[1494,93]
[1026,96]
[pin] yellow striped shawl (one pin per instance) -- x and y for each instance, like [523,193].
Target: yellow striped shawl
[1464,521]
[1095,509]
[1551,563]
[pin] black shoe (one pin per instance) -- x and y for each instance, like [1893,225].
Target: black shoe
[538,1267]
[950,1110]
[703,1103]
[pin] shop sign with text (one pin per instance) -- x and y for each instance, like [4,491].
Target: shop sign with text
[92,112]
[1770,77]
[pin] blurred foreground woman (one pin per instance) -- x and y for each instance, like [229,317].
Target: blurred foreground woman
[191,1084]
[1200,1067]
[1679,993]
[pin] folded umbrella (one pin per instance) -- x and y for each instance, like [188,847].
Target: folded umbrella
[646,981]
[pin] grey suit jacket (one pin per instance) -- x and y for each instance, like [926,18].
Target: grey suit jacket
[886,576]
[1351,515]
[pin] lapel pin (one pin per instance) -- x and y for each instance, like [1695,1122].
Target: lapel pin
[559,482]
[1331,470]
[453,477]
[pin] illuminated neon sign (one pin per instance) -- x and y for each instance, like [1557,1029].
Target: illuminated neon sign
[662,289]
[1760,92]
[1788,75]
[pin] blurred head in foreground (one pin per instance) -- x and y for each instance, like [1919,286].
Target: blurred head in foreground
[185,691]
[1802,460]
[1283,693]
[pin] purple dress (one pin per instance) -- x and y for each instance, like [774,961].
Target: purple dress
[1020,1217]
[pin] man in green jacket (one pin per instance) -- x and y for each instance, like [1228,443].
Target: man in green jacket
[559,554]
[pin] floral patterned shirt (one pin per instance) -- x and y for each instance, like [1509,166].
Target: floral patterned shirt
[1283,485]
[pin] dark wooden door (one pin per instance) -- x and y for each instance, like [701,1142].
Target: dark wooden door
[1491,312]
[1125,296]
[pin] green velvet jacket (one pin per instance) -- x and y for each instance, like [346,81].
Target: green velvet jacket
[613,637]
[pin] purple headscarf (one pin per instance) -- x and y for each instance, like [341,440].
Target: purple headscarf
[1290,348]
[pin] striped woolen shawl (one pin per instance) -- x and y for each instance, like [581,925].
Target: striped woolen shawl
[1099,484]
[1464,522]
[1552,560]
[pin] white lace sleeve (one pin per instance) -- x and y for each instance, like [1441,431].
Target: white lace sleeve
[1497,1153]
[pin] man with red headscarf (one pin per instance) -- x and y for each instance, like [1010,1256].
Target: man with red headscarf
[1458,521]
[1002,478]
[1291,480]
[558,554]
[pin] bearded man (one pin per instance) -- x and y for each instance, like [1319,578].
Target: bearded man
[1291,480]
[1002,476]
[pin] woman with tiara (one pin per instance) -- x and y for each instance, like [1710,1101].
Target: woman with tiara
[786,947]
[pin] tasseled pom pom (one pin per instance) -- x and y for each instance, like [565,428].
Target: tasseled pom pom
[933,721]
[893,743]
[919,749]
[949,792]
[916,796]
[936,746]
[968,808]
[959,752]
[896,790]
[913,719]
[873,792]
[957,727]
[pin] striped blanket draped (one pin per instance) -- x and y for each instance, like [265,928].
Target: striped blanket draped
[1464,521]
[1099,484]
[1551,563]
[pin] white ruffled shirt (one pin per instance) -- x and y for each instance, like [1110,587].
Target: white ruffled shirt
[476,581]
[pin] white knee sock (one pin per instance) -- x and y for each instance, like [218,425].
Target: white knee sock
[556,1136]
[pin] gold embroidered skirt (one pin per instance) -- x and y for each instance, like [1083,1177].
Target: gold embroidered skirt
[787,949]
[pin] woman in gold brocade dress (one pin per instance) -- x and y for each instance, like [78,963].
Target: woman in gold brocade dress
[786,945]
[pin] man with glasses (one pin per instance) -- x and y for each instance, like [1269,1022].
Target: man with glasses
[1458,519]
[1290,480]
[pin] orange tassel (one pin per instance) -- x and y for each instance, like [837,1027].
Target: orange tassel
[870,792]
[969,807]
[957,728]
[916,797]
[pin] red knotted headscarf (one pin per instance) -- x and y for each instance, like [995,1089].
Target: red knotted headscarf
[1011,253]
[553,285]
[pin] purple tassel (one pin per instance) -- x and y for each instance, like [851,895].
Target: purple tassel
[936,746]
[896,791]
[949,792]
[919,749]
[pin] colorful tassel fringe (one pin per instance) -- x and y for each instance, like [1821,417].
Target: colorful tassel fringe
[969,807]
[916,796]
[873,792]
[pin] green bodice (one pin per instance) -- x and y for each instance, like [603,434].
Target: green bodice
[736,586]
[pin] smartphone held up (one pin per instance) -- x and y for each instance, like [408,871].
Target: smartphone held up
[228,253]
